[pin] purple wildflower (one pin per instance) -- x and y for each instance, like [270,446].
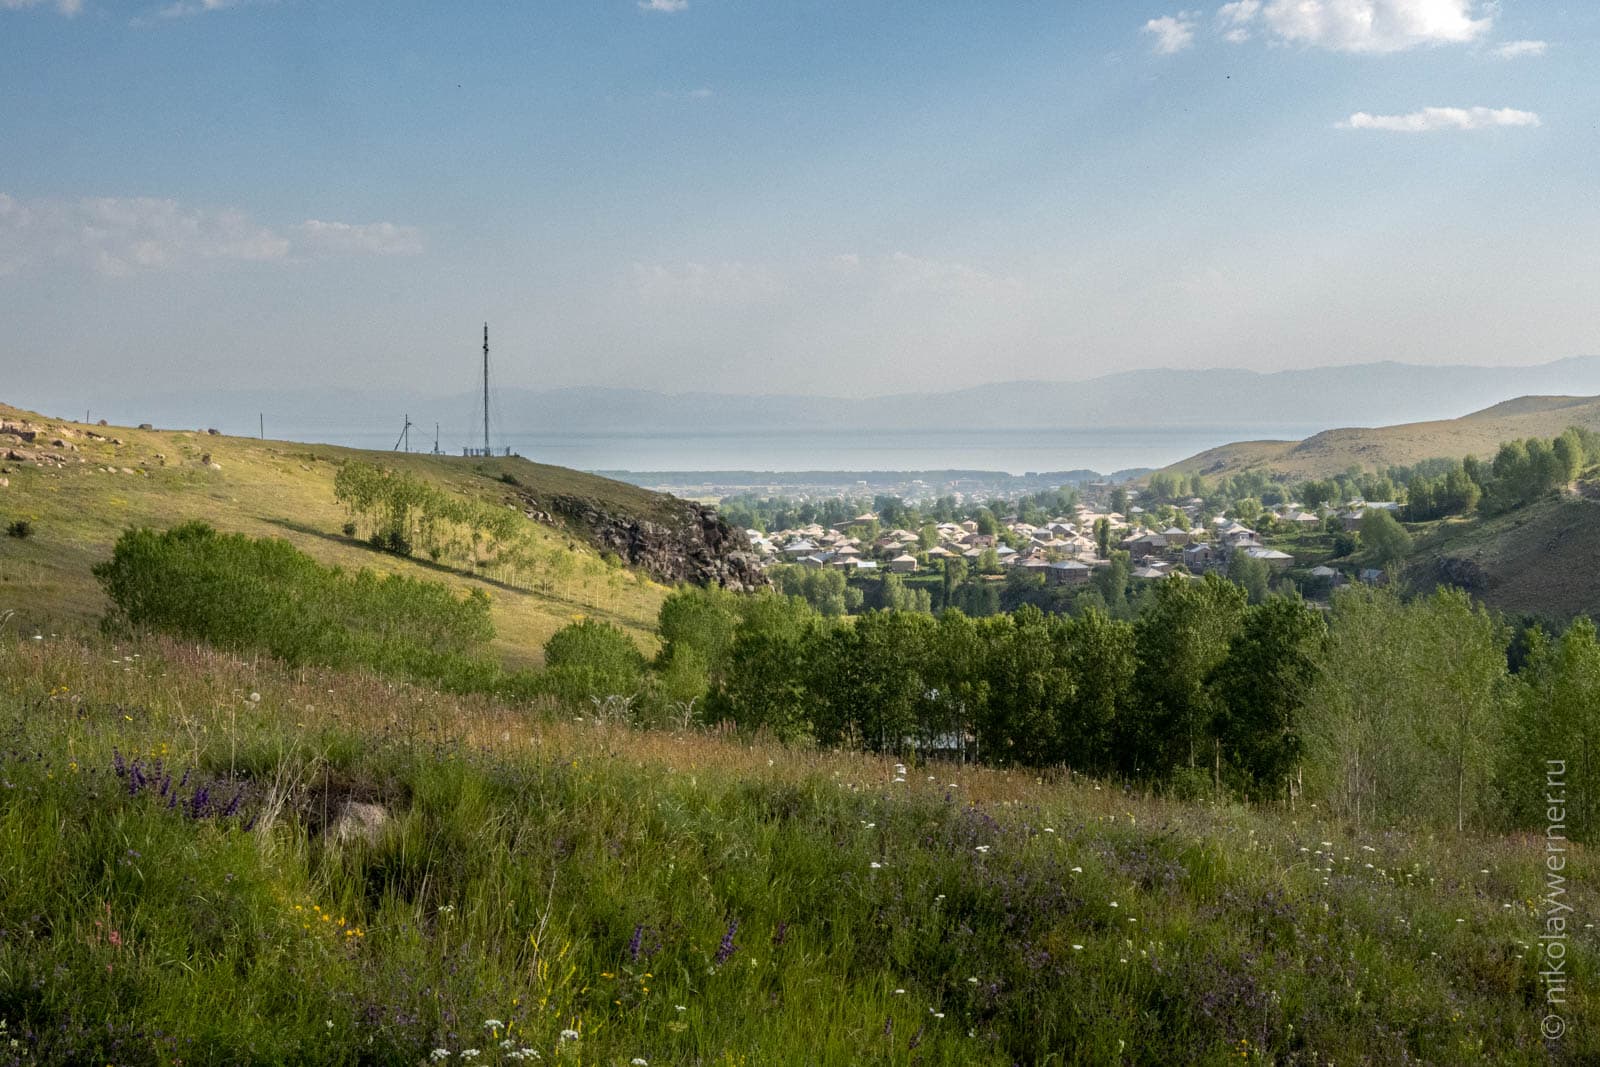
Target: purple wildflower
[726,950]
[635,942]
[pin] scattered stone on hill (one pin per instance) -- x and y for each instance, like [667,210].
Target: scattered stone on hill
[699,547]
[5,483]
[20,455]
[146,426]
[213,432]
[214,466]
[359,821]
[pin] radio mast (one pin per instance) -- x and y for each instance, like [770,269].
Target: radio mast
[486,389]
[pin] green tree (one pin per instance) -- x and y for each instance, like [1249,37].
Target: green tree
[1183,635]
[1252,574]
[1261,687]
[1385,540]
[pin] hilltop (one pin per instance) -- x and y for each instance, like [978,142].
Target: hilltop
[1374,448]
[609,547]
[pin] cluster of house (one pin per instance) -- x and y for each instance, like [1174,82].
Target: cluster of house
[1064,549]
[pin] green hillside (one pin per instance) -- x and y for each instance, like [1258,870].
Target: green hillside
[1332,451]
[80,494]
[1538,560]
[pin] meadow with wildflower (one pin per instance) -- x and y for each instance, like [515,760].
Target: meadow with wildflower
[177,884]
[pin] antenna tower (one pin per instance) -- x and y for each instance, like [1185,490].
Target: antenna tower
[486,389]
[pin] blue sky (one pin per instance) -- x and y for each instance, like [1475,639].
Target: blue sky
[836,197]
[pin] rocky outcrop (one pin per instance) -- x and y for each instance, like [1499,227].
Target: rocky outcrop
[1463,573]
[693,544]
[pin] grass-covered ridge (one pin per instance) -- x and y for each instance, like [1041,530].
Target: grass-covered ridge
[681,897]
[163,478]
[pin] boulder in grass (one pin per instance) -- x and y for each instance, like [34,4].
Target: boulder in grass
[359,821]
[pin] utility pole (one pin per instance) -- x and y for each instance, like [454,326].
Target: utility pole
[486,390]
[262,422]
[405,437]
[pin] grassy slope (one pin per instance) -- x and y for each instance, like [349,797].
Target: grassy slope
[1538,560]
[957,916]
[284,490]
[1333,451]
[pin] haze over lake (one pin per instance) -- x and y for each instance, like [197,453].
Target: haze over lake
[1012,451]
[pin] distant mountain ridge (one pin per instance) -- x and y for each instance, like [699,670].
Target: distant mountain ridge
[1352,395]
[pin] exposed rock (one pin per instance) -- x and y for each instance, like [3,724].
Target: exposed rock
[214,466]
[5,483]
[213,433]
[1462,573]
[700,547]
[358,821]
[21,455]
[146,426]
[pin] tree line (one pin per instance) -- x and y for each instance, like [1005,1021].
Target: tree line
[1381,710]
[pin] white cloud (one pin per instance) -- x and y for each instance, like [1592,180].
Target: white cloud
[1430,119]
[184,8]
[669,7]
[1234,19]
[1173,33]
[118,236]
[344,238]
[903,272]
[727,282]
[1520,49]
[65,7]
[1376,26]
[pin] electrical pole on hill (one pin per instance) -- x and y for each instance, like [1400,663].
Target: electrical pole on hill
[405,437]
[486,390]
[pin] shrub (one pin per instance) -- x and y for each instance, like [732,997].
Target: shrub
[349,529]
[20,529]
[236,592]
[592,659]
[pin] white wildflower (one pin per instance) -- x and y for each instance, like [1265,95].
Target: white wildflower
[569,1035]
[439,1054]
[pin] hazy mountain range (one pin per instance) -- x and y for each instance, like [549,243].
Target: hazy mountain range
[1368,394]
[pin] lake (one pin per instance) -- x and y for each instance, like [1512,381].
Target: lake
[1011,451]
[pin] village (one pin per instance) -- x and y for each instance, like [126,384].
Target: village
[1068,549]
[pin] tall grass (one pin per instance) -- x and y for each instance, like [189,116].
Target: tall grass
[690,898]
